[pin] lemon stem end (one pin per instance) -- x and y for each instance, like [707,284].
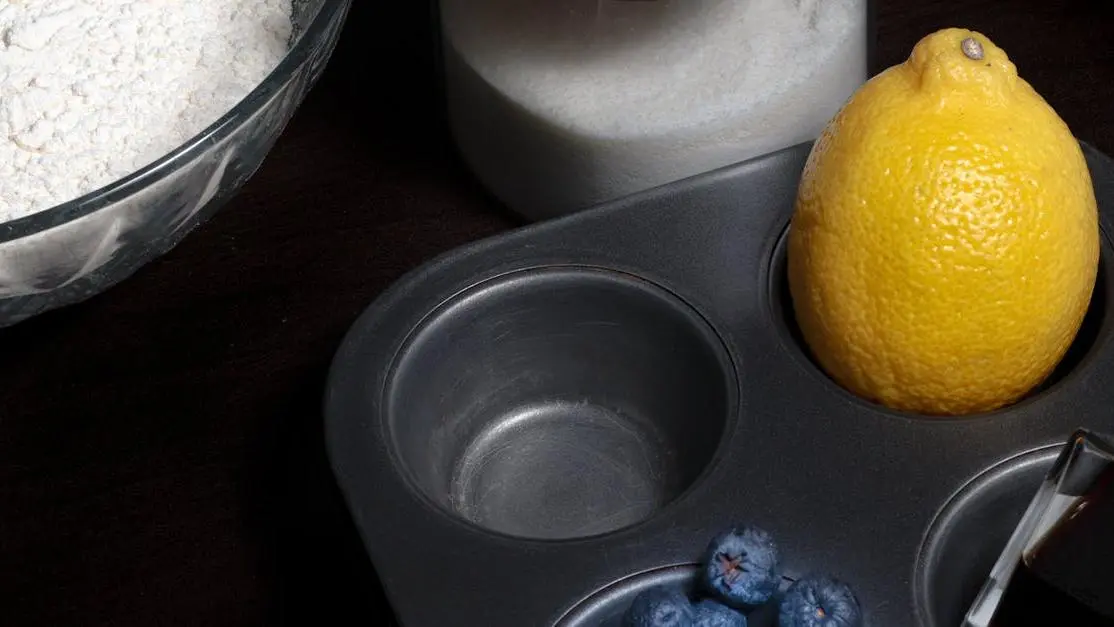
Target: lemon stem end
[972,49]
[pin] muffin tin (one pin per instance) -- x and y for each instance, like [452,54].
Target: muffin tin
[532,428]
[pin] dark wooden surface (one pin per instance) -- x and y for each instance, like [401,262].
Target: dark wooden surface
[161,456]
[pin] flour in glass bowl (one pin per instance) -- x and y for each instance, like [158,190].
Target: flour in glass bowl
[93,90]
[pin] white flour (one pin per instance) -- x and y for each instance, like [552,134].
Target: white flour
[92,90]
[558,104]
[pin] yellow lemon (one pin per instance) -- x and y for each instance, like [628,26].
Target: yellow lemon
[945,240]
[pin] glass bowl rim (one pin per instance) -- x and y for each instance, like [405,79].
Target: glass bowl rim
[173,161]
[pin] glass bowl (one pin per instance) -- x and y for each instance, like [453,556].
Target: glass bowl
[77,249]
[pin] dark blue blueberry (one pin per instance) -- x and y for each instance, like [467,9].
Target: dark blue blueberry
[819,601]
[712,613]
[741,567]
[660,606]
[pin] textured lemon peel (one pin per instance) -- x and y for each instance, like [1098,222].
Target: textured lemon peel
[944,246]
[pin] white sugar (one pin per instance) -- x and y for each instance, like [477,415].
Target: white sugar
[558,105]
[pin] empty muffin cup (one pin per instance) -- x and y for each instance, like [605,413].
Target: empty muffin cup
[559,403]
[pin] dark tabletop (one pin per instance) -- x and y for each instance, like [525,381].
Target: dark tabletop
[161,454]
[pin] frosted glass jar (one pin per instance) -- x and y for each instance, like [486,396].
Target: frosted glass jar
[557,105]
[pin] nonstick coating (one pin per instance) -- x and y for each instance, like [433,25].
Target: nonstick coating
[522,423]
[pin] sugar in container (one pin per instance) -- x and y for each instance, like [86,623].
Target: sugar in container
[557,105]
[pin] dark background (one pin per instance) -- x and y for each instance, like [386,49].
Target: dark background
[161,455]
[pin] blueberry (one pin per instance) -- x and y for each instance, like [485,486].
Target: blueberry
[660,606]
[741,566]
[712,613]
[819,601]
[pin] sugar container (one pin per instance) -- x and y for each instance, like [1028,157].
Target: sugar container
[557,105]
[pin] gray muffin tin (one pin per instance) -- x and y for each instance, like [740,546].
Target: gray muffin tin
[530,429]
